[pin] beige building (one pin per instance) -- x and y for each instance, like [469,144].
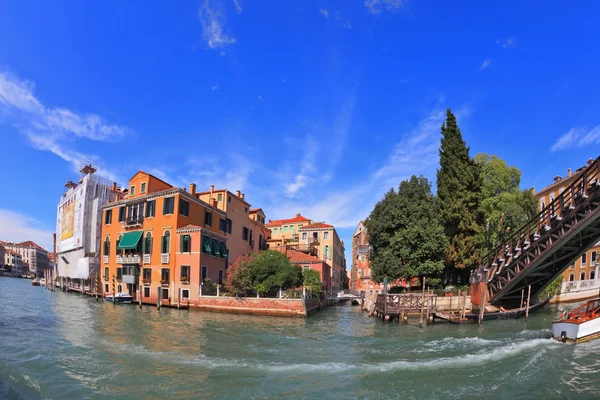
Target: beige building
[2,262]
[13,261]
[582,276]
[31,254]
[243,226]
[317,238]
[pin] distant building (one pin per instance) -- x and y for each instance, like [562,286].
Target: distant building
[32,254]
[308,261]
[360,274]
[580,279]
[12,261]
[316,238]
[78,225]
[2,250]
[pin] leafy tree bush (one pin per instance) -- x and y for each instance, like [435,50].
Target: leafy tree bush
[312,280]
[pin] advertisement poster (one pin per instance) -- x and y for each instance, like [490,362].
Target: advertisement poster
[69,223]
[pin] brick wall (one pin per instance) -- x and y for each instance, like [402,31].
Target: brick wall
[251,305]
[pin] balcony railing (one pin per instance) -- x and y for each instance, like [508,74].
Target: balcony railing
[105,259]
[128,259]
[134,220]
[147,281]
[164,258]
[146,258]
[119,259]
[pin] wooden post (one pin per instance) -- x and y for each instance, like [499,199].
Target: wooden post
[158,298]
[114,287]
[179,298]
[528,298]
[522,296]
[422,302]
[450,306]
[140,288]
[482,307]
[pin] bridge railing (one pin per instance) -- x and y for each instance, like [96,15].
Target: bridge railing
[546,218]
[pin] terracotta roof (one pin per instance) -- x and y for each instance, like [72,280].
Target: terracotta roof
[277,222]
[317,225]
[30,243]
[298,257]
[253,210]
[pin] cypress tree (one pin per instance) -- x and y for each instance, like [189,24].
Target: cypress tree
[459,193]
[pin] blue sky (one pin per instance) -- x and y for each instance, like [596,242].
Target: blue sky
[315,107]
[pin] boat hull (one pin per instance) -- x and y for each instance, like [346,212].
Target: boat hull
[120,298]
[573,332]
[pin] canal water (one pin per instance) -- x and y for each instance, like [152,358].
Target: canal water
[55,345]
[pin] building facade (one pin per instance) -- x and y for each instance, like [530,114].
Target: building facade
[244,227]
[308,261]
[32,254]
[580,277]
[318,239]
[12,262]
[161,242]
[360,275]
[79,224]
[2,262]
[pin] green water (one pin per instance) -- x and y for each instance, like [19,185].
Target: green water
[55,345]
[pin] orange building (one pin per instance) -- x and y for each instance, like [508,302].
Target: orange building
[316,238]
[244,227]
[581,276]
[308,261]
[157,235]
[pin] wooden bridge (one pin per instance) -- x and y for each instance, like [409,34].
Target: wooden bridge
[542,249]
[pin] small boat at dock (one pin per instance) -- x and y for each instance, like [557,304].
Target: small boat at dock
[579,325]
[124,298]
[35,282]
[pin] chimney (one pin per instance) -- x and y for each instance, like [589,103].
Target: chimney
[569,172]
[557,178]
[114,187]
[54,235]
[185,190]
[242,197]
[237,193]
[298,214]
[590,161]
[213,202]
[193,189]
[212,189]
[533,191]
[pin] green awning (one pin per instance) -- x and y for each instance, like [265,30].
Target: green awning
[223,250]
[215,246]
[130,240]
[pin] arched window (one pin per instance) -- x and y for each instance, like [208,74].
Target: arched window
[582,276]
[166,242]
[117,246]
[107,246]
[148,243]
[571,277]
[592,275]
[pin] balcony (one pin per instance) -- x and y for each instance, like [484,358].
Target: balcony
[128,259]
[133,279]
[105,259]
[134,220]
[146,258]
[164,258]
[164,283]
[119,259]
[147,281]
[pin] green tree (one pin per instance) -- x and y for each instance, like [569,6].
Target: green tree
[239,279]
[406,234]
[504,205]
[272,270]
[459,193]
[312,280]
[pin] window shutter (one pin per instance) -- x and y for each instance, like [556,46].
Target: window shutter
[181,243]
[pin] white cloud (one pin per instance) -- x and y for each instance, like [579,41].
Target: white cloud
[17,227]
[223,53]
[324,12]
[260,98]
[486,64]
[212,27]
[376,6]
[347,25]
[307,167]
[215,86]
[577,138]
[509,42]
[237,5]
[52,129]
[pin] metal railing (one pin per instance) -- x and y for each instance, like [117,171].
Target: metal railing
[164,258]
[134,220]
[146,258]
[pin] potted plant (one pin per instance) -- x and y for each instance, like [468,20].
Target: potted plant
[184,280]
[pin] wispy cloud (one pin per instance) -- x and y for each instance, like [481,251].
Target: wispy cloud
[52,129]
[347,25]
[376,6]
[215,86]
[260,98]
[486,64]
[212,27]
[577,138]
[237,5]
[324,12]
[508,42]
[17,227]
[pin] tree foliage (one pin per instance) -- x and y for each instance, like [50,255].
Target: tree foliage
[265,273]
[406,234]
[312,280]
[459,192]
[505,207]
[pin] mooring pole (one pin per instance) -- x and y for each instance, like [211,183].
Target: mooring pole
[422,302]
[482,307]
[464,304]
[528,298]
[522,296]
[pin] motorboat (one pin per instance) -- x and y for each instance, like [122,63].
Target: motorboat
[579,325]
[120,297]
[35,282]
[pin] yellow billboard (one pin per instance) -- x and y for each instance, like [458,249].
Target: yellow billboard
[68,221]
